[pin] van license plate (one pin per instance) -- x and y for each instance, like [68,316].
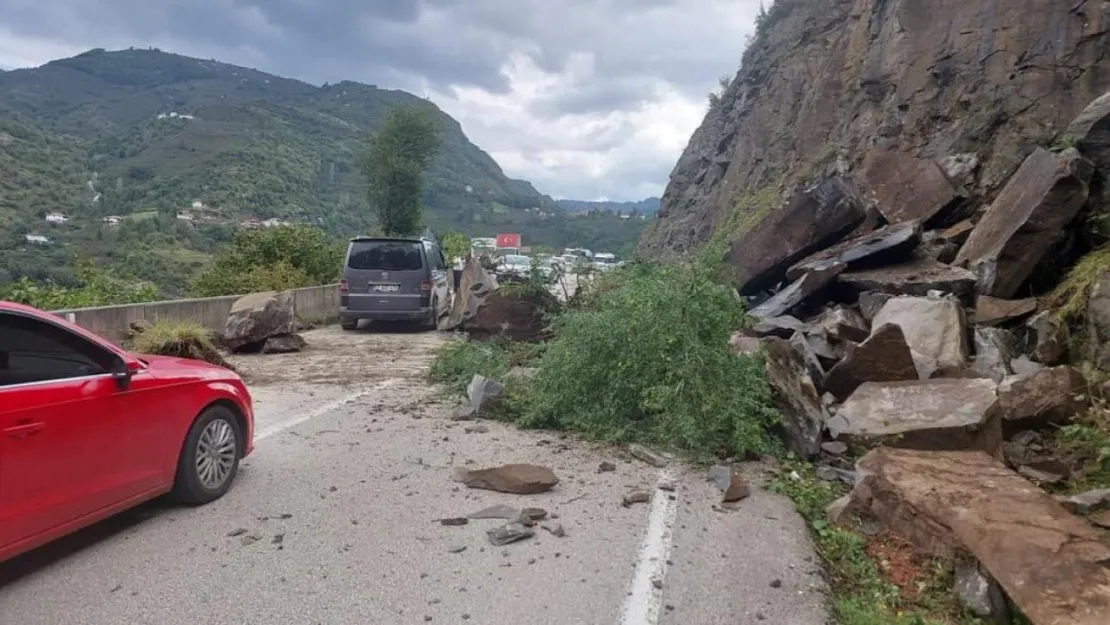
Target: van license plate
[385,288]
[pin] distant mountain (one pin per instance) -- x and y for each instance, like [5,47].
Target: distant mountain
[160,131]
[122,142]
[643,207]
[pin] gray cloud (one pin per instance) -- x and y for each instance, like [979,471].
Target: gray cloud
[634,47]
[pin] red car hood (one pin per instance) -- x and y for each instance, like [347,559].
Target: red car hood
[173,367]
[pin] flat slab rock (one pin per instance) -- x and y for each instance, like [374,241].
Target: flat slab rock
[811,282]
[886,245]
[520,479]
[991,311]
[945,413]
[1045,397]
[1052,564]
[915,277]
[905,187]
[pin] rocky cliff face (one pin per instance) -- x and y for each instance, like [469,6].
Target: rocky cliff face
[833,86]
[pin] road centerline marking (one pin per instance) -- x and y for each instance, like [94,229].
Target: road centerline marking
[644,601]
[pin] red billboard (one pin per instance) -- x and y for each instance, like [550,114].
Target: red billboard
[508,240]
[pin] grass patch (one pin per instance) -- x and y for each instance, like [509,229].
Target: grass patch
[862,570]
[459,361]
[1070,297]
[181,339]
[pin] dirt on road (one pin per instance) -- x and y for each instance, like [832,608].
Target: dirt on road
[335,519]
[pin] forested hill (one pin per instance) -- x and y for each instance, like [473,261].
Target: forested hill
[144,129]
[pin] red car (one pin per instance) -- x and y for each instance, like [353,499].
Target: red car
[88,430]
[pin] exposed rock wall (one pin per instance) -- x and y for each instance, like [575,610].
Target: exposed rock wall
[975,85]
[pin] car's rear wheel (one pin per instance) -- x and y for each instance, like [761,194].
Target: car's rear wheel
[209,458]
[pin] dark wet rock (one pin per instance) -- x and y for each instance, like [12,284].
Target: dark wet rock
[811,220]
[905,187]
[1088,502]
[916,277]
[606,467]
[1021,225]
[811,282]
[454,521]
[834,448]
[887,245]
[883,357]
[939,414]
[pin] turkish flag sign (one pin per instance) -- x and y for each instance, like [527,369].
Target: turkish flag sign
[508,240]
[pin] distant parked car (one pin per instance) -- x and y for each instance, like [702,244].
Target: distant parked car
[394,279]
[90,429]
[515,265]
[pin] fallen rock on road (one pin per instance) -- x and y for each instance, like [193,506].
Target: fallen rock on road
[519,479]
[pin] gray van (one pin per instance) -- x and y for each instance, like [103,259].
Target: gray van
[394,279]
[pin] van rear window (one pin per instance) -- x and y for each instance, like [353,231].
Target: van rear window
[386,256]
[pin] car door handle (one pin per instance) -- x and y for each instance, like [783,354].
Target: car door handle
[23,430]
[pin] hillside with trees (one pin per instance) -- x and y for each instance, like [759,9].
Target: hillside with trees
[156,159]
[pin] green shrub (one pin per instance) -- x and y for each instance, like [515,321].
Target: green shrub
[182,339]
[458,362]
[272,259]
[645,357]
[97,287]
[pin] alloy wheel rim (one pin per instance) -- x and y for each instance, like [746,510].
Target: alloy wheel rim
[215,455]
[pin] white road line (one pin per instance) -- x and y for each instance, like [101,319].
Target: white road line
[277,428]
[645,599]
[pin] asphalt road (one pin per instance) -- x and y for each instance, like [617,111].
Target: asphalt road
[333,521]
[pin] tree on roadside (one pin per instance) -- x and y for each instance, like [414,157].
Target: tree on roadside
[455,245]
[394,166]
[276,259]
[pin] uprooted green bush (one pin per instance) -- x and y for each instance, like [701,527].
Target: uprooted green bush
[647,358]
[459,361]
[182,339]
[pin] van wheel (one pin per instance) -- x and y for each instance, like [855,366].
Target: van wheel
[432,322]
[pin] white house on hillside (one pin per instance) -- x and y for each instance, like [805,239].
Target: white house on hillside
[37,239]
[56,218]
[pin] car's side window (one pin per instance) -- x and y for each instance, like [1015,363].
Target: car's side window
[35,351]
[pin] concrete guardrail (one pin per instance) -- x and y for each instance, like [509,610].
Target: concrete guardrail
[315,303]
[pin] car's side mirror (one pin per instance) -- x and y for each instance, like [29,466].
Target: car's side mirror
[122,371]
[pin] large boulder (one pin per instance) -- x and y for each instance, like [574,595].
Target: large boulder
[258,316]
[883,357]
[475,285]
[1091,132]
[796,395]
[1051,563]
[935,329]
[945,413]
[512,312]
[905,187]
[811,220]
[1023,222]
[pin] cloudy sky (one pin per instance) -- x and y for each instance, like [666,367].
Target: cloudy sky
[587,99]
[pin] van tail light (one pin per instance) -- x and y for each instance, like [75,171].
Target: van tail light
[426,286]
[344,286]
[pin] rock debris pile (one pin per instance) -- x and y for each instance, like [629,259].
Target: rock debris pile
[899,318]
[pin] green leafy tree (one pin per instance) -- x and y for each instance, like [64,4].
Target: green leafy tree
[394,167]
[96,287]
[455,244]
[269,259]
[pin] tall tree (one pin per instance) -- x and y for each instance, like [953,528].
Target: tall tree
[395,163]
